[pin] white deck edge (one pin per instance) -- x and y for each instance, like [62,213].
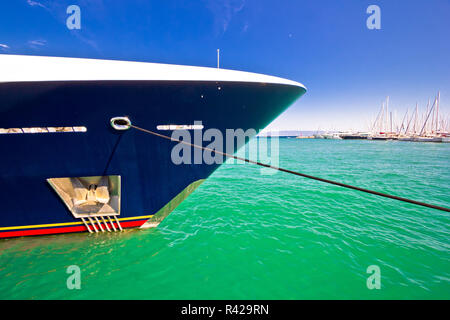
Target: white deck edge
[23,68]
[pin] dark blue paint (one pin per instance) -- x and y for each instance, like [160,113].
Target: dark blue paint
[149,178]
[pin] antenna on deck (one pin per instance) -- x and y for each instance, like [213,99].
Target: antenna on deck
[218,58]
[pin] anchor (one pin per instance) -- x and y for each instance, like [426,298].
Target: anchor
[94,200]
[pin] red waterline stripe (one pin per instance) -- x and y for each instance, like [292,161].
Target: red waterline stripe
[35,232]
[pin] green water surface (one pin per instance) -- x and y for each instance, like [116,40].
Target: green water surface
[245,235]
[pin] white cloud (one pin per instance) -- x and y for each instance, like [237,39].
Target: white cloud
[37,43]
[35,3]
[224,10]
[3,46]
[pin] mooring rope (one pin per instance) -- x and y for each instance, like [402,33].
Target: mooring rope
[381,194]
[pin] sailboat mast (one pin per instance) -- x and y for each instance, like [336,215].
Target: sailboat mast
[390,115]
[377,120]
[403,121]
[433,118]
[427,117]
[409,122]
[437,111]
[387,113]
[381,120]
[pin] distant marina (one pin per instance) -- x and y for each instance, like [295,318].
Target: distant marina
[415,126]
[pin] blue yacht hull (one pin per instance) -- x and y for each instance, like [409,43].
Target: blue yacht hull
[149,179]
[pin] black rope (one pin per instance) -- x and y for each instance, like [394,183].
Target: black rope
[381,194]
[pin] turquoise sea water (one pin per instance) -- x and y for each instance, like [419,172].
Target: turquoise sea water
[243,235]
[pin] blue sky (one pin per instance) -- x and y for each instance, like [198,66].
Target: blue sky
[325,44]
